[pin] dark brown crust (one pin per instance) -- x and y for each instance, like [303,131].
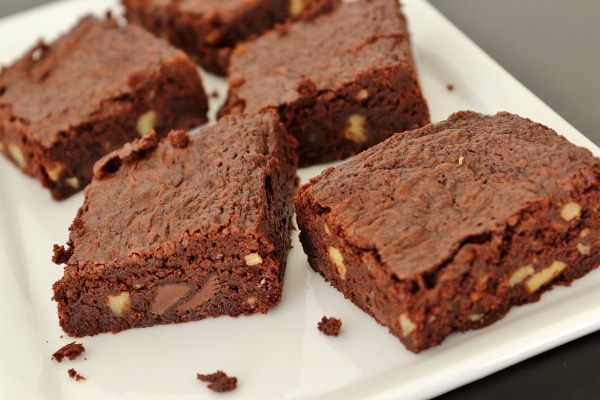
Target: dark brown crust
[203,229]
[54,127]
[339,95]
[446,227]
[219,381]
[209,30]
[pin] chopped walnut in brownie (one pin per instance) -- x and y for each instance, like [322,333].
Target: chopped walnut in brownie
[70,351]
[219,381]
[330,326]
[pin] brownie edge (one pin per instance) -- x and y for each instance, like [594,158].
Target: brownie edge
[446,227]
[341,82]
[65,104]
[209,30]
[203,226]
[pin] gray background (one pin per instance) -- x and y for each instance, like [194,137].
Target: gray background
[552,47]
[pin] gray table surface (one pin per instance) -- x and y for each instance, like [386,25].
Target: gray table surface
[551,46]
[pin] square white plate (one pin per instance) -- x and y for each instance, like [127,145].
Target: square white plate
[281,355]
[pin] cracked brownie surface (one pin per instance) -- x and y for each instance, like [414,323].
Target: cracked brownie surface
[181,229]
[446,227]
[341,82]
[65,104]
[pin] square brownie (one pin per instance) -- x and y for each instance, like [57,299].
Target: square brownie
[182,229]
[66,104]
[446,227]
[209,29]
[341,82]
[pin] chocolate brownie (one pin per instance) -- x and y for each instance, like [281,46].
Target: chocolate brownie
[181,229]
[208,29]
[64,105]
[341,82]
[444,228]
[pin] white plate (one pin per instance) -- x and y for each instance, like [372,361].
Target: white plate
[281,355]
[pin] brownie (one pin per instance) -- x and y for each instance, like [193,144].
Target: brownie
[446,227]
[341,82]
[64,105]
[181,229]
[209,29]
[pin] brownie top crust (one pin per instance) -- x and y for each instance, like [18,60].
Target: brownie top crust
[416,198]
[60,85]
[209,186]
[325,53]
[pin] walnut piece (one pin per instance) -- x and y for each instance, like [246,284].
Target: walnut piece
[296,8]
[570,211]
[54,171]
[73,182]
[519,275]
[407,325]
[545,275]
[146,122]
[583,249]
[253,259]
[355,129]
[338,260]
[17,155]
[362,94]
[119,304]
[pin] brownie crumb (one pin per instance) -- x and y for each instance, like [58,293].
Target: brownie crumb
[330,326]
[219,381]
[179,139]
[450,87]
[75,375]
[130,152]
[61,254]
[70,351]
